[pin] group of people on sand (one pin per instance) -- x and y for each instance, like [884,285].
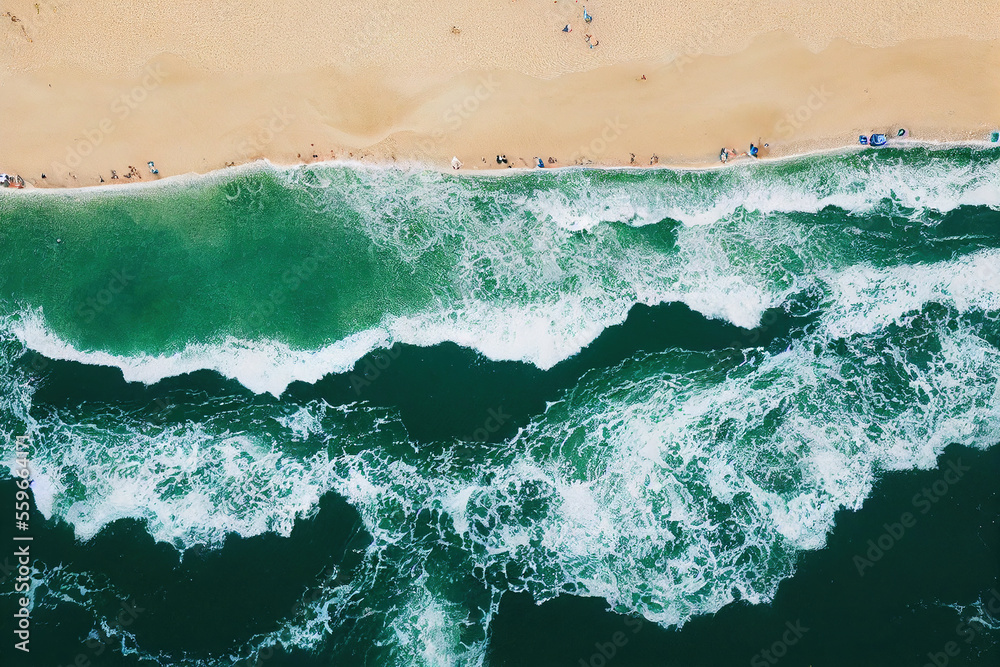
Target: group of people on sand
[132,173]
[726,153]
[587,18]
[537,162]
[11,181]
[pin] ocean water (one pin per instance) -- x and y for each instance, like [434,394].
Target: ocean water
[342,415]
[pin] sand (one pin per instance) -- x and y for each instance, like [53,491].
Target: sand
[89,87]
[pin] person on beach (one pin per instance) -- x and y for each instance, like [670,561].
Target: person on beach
[456,163]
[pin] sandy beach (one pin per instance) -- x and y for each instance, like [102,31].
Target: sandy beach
[92,89]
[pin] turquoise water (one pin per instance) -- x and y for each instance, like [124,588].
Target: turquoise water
[653,387]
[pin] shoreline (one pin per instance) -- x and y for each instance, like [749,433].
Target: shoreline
[264,164]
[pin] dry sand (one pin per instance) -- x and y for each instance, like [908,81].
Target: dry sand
[88,87]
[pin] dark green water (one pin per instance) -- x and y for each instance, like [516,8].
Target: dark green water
[338,415]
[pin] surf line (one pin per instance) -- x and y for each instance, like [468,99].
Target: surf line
[22,546]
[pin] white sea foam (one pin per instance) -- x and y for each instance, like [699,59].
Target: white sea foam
[866,299]
[633,495]
[863,300]
[523,287]
[543,333]
[933,186]
[267,366]
[192,484]
[662,485]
